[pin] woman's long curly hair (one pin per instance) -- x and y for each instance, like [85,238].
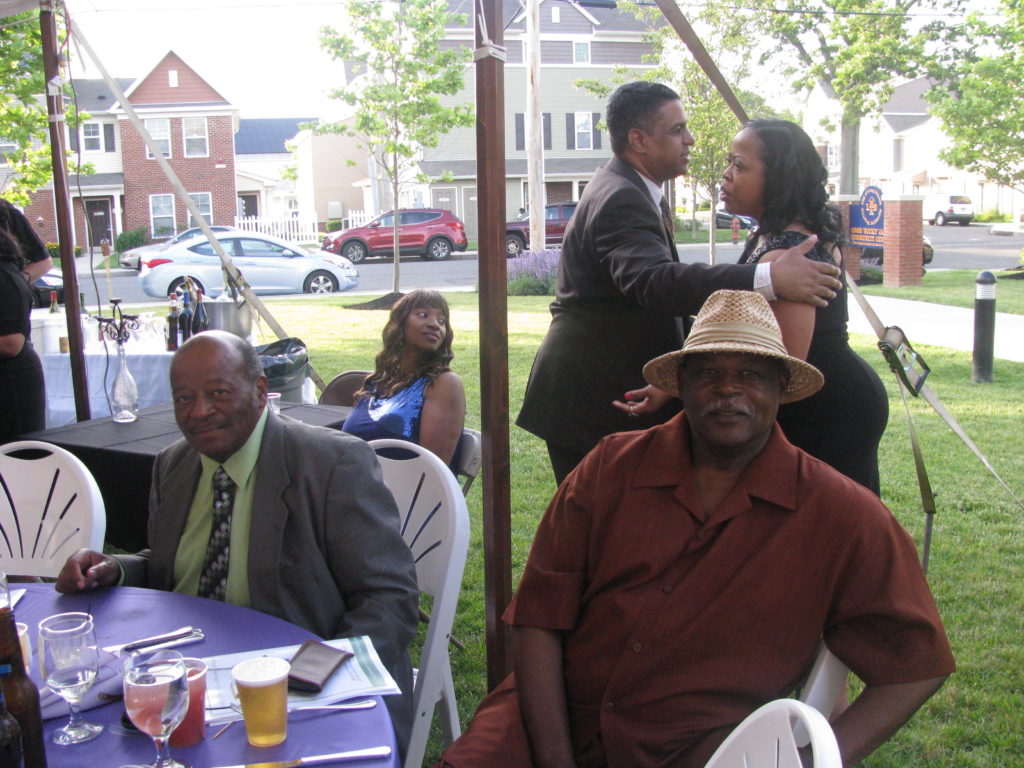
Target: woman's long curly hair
[794,182]
[388,376]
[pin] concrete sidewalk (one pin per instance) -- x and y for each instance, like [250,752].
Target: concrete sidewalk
[940,325]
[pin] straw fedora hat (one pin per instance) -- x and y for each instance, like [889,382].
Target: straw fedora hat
[736,321]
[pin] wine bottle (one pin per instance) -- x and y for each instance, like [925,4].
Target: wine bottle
[10,733]
[172,325]
[185,317]
[54,307]
[200,320]
[20,692]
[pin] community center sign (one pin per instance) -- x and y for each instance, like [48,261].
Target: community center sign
[867,219]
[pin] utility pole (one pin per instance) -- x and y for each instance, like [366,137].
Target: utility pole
[534,129]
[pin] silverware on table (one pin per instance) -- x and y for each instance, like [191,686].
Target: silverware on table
[181,636]
[343,706]
[336,757]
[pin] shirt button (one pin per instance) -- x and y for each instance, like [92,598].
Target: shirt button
[637,647]
[667,588]
[609,705]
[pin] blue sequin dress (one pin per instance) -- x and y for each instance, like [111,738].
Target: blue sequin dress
[396,417]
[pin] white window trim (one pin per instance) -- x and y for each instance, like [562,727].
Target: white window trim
[150,155]
[173,215]
[185,137]
[589,133]
[208,214]
[83,139]
[574,59]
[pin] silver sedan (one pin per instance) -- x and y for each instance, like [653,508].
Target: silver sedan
[268,264]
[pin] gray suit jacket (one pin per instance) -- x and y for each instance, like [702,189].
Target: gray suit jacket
[325,551]
[622,294]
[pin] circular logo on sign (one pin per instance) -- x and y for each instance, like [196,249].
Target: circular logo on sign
[871,205]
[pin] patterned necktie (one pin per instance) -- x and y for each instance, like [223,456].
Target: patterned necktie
[214,578]
[667,218]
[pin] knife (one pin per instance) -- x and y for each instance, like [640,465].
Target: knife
[336,757]
[146,642]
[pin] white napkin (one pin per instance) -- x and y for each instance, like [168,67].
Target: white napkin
[108,681]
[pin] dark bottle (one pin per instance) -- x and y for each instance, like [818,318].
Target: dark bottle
[10,733]
[200,320]
[21,693]
[185,317]
[172,325]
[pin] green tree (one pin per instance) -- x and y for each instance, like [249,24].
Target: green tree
[982,109]
[397,109]
[853,50]
[23,121]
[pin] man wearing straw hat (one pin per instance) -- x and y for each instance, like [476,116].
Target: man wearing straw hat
[685,575]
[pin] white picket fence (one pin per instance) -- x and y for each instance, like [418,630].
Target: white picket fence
[291,229]
[355,219]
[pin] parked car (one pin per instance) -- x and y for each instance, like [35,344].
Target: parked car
[723,220]
[556,218]
[132,259]
[430,233]
[53,280]
[270,265]
[875,253]
[940,209]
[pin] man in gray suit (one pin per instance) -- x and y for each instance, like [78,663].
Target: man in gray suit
[312,530]
[622,292]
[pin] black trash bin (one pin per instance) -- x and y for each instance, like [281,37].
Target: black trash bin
[286,365]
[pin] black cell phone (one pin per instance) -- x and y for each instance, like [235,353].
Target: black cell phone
[313,664]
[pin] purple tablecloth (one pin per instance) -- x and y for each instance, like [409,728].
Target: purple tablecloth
[127,613]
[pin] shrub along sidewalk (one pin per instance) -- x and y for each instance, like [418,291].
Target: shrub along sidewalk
[977,556]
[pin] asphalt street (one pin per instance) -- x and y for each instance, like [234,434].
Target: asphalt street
[955,248]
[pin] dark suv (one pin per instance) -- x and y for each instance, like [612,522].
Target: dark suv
[556,217]
[431,233]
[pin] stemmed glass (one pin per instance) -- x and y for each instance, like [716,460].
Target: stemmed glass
[69,660]
[156,697]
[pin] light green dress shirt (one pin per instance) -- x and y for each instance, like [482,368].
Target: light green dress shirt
[188,563]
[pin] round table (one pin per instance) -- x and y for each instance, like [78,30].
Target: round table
[123,614]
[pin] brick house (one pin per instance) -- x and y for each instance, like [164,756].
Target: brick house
[193,124]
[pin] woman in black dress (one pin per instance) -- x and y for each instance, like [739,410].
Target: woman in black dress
[776,176]
[22,390]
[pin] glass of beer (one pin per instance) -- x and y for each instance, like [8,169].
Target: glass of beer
[262,686]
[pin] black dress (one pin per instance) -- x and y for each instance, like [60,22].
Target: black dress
[843,422]
[22,391]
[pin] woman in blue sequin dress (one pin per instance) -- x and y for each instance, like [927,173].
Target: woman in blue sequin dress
[776,176]
[412,394]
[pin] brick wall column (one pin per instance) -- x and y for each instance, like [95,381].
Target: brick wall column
[903,230]
[851,253]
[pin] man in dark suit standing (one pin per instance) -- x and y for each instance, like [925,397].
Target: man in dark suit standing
[311,535]
[622,292]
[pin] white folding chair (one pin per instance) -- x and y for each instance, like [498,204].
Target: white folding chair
[765,739]
[435,525]
[470,457]
[50,506]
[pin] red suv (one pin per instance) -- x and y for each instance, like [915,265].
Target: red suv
[431,233]
[556,217]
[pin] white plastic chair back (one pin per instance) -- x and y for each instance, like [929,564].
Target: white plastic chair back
[826,682]
[765,739]
[470,457]
[49,507]
[435,525]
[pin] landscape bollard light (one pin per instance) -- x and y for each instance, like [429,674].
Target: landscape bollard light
[984,326]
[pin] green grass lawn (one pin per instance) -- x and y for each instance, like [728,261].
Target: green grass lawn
[956,288]
[977,557]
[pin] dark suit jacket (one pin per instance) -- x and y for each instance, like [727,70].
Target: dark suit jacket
[325,551]
[622,294]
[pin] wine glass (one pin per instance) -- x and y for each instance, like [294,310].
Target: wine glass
[156,697]
[69,660]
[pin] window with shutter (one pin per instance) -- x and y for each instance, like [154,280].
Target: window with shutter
[520,131]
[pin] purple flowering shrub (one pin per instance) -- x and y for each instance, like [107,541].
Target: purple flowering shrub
[534,273]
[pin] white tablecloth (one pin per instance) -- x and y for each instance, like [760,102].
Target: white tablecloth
[151,371]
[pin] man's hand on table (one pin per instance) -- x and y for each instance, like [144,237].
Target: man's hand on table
[87,569]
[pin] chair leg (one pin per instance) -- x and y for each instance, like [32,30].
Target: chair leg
[418,739]
[449,711]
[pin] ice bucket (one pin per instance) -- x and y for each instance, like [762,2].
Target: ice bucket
[228,316]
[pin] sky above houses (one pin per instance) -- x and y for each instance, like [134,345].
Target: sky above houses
[262,55]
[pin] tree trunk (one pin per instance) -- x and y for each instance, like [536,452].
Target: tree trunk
[394,207]
[849,164]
